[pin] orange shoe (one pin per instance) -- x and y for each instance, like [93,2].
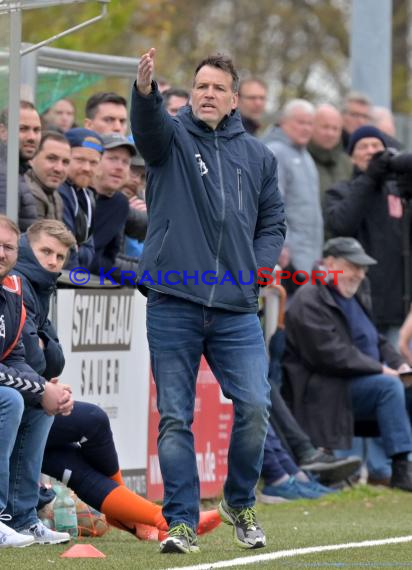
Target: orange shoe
[147,532]
[208,521]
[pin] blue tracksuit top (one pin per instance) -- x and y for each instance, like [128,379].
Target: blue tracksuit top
[213,206]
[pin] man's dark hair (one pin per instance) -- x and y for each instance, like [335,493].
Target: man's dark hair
[97,99]
[4,113]
[174,92]
[52,136]
[223,62]
[27,105]
[251,79]
[58,101]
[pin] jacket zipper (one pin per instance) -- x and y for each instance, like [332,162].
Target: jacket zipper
[222,194]
[239,188]
[162,244]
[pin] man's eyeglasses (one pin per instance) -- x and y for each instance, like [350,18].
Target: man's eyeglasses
[356,115]
[253,97]
[8,249]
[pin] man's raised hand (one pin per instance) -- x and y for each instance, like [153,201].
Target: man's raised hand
[145,72]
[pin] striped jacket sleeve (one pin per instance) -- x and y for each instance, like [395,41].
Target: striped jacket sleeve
[17,374]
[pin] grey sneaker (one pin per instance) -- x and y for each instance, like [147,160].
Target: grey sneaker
[247,531]
[181,540]
[330,469]
[44,535]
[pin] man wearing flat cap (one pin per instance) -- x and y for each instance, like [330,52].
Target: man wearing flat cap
[112,206]
[369,208]
[338,369]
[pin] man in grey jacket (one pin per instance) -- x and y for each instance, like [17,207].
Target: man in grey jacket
[299,183]
[215,217]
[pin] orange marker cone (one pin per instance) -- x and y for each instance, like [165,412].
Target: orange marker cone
[82,551]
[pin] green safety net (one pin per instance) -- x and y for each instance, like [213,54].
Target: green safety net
[56,84]
[52,85]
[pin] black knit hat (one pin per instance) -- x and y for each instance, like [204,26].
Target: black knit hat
[367,131]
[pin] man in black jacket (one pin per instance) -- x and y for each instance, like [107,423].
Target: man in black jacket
[27,403]
[368,207]
[29,140]
[215,217]
[339,369]
[112,206]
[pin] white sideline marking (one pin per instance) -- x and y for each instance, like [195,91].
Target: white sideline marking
[294,552]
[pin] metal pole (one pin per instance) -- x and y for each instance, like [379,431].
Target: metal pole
[76,28]
[29,75]
[371,49]
[14,117]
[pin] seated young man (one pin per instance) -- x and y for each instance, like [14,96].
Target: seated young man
[27,406]
[338,369]
[80,451]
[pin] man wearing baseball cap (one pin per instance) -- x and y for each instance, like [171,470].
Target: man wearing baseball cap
[368,207]
[77,193]
[112,206]
[338,369]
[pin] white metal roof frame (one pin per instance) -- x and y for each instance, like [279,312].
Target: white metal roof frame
[10,5]
[86,62]
[14,9]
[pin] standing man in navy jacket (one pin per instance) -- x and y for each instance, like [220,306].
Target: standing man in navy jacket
[215,217]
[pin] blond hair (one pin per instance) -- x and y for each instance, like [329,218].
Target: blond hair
[52,228]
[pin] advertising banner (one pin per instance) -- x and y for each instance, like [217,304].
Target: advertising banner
[103,334]
[211,427]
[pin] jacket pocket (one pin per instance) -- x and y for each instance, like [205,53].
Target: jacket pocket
[162,243]
[239,189]
[155,298]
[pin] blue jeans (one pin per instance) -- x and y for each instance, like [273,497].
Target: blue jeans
[382,398]
[179,332]
[276,460]
[23,435]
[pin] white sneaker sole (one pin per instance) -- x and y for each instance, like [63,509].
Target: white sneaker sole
[17,545]
[46,542]
[171,545]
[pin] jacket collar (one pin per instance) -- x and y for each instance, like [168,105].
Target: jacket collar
[361,295]
[33,176]
[230,126]
[323,155]
[28,266]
